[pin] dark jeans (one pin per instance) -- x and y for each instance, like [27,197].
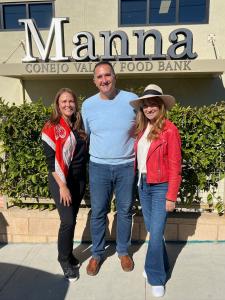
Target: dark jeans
[67,214]
[104,179]
[153,203]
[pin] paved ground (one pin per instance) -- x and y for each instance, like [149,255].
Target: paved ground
[30,272]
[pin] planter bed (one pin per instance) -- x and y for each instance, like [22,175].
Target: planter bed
[34,226]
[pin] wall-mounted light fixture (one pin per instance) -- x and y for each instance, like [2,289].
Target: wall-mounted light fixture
[212,40]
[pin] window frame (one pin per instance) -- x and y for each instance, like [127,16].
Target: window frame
[27,3]
[206,20]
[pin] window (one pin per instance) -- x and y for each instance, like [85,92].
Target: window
[41,12]
[11,15]
[192,11]
[154,12]
[163,12]
[133,10]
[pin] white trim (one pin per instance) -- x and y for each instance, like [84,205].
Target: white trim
[68,149]
[59,171]
[47,139]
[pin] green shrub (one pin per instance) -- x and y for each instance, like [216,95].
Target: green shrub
[203,150]
[24,172]
[23,168]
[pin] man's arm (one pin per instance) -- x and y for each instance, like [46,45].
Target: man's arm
[85,120]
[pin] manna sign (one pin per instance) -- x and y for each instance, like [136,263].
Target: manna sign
[181,44]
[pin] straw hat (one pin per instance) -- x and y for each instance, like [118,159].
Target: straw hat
[153,90]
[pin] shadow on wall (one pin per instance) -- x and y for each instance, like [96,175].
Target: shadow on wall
[83,250]
[47,89]
[19,282]
[188,91]
[197,91]
[180,227]
[3,231]
[183,223]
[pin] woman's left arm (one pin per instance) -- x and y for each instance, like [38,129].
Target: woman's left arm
[174,166]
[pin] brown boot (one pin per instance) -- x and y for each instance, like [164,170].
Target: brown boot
[127,263]
[93,266]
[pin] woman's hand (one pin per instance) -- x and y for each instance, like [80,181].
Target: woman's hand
[65,196]
[170,205]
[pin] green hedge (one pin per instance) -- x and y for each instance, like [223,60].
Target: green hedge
[203,150]
[23,169]
[24,172]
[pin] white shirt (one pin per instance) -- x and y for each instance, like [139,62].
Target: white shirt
[142,152]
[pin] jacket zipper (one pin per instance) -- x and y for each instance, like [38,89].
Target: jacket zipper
[159,171]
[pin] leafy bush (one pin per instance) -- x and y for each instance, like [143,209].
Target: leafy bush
[203,150]
[24,171]
[23,168]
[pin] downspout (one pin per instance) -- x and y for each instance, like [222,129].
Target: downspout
[22,90]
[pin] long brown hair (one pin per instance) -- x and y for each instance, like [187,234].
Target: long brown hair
[142,121]
[76,118]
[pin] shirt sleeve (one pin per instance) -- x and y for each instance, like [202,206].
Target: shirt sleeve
[85,120]
[50,156]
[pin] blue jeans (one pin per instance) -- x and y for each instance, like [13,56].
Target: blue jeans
[153,203]
[103,179]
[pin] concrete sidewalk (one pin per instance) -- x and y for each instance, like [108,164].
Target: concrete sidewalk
[31,271]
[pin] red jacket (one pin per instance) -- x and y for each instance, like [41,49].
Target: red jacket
[164,159]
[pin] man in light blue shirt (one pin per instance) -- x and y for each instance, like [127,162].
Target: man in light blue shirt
[110,120]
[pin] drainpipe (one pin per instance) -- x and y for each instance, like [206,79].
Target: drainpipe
[22,90]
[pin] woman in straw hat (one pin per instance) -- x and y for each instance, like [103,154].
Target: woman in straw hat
[158,161]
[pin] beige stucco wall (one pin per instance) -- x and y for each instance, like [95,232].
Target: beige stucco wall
[102,15]
[11,90]
[187,91]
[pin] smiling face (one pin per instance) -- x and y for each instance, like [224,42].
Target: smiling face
[105,81]
[151,108]
[66,105]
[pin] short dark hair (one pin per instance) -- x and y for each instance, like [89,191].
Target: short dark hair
[101,63]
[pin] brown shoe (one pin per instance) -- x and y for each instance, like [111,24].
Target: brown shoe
[93,266]
[127,263]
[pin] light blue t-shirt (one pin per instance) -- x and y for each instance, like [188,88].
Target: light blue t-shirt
[110,124]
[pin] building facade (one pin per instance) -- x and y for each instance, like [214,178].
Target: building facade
[177,44]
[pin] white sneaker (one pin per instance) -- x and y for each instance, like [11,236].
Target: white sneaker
[158,290]
[144,274]
[70,272]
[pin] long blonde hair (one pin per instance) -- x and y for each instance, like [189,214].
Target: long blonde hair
[76,118]
[142,121]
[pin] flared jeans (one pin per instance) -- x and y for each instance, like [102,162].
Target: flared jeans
[153,203]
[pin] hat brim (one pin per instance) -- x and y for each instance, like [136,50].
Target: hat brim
[168,101]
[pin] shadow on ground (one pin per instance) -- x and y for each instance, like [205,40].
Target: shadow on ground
[83,250]
[185,230]
[3,230]
[174,248]
[20,282]
[2,245]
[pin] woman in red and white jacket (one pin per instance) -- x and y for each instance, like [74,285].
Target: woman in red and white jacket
[65,147]
[158,161]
